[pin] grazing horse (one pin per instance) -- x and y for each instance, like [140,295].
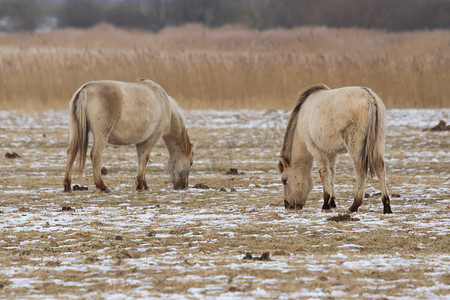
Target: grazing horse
[126,113]
[324,123]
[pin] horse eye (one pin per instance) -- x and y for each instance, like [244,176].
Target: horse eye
[284,181]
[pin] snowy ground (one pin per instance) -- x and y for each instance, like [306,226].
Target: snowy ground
[191,244]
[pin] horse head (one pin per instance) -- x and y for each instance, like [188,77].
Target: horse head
[179,168]
[297,184]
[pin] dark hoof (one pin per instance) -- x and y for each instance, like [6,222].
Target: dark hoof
[387,209]
[107,190]
[332,203]
[326,206]
[141,189]
[67,189]
[353,209]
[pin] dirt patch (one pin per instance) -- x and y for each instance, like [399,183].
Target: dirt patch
[342,218]
[12,155]
[442,126]
[264,257]
[67,208]
[233,171]
[201,186]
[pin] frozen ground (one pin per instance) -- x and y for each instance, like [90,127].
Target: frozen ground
[190,244]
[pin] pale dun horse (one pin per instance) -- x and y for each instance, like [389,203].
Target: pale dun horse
[127,113]
[324,123]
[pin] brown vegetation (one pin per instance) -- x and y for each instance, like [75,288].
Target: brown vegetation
[228,67]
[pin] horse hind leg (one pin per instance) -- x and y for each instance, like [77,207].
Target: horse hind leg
[352,139]
[380,171]
[96,157]
[71,155]
[332,163]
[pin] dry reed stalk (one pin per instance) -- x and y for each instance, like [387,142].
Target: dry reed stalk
[227,67]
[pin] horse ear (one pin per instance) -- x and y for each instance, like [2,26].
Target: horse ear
[280,167]
[282,164]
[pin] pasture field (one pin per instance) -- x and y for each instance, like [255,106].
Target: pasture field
[191,244]
[229,67]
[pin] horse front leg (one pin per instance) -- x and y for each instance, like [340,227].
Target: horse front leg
[143,153]
[324,172]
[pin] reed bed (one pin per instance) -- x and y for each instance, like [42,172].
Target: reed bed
[226,68]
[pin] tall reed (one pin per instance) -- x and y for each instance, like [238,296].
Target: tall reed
[226,68]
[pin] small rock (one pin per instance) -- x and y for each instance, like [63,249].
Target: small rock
[118,238]
[104,171]
[77,187]
[248,256]
[67,208]
[342,218]
[222,190]
[233,171]
[264,257]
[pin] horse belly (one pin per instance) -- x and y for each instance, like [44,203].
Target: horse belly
[325,135]
[137,129]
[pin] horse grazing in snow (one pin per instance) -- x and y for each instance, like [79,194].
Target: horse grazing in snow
[324,123]
[126,113]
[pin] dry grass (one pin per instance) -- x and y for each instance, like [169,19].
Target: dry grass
[230,67]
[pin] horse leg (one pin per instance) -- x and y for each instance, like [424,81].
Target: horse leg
[143,152]
[324,172]
[380,171]
[71,155]
[353,138]
[332,163]
[96,158]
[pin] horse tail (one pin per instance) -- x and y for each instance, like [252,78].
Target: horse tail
[374,134]
[79,128]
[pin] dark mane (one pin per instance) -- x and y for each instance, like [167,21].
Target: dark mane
[286,147]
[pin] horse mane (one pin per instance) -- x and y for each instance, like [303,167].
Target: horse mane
[158,89]
[286,147]
[184,135]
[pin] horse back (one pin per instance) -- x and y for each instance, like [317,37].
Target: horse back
[328,114]
[130,111]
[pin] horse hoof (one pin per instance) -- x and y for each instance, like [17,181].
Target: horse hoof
[353,209]
[387,210]
[67,189]
[332,203]
[107,191]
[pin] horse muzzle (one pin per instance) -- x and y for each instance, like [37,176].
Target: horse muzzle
[290,205]
[181,185]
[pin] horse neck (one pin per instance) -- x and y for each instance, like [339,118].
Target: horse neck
[176,136]
[301,158]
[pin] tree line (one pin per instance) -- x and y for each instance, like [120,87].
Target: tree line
[394,15]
